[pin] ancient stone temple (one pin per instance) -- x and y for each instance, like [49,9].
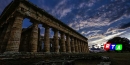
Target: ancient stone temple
[15,39]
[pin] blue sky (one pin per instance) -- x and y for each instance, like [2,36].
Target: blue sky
[98,20]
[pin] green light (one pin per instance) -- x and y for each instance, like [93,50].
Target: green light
[119,47]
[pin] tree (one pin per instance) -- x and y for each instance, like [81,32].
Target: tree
[123,41]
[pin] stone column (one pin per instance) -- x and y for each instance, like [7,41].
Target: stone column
[87,47]
[80,45]
[15,35]
[56,41]
[63,47]
[1,29]
[24,42]
[76,45]
[83,47]
[68,48]
[72,45]
[47,39]
[2,33]
[2,36]
[34,38]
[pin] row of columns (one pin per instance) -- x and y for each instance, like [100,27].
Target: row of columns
[70,44]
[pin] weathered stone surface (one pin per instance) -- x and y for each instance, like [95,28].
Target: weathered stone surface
[48,20]
[83,47]
[76,45]
[7,34]
[24,46]
[72,45]
[81,44]
[56,41]
[34,38]
[68,48]
[15,35]
[29,42]
[46,39]
[3,38]
[63,47]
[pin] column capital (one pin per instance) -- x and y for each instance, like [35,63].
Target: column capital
[34,21]
[45,26]
[54,29]
[17,14]
[61,32]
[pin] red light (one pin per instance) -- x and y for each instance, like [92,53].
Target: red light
[107,46]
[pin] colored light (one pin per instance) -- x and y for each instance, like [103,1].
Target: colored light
[112,46]
[107,46]
[118,47]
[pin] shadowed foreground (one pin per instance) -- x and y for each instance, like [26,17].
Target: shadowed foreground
[90,59]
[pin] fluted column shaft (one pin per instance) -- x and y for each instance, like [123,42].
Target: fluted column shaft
[63,47]
[34,38]
[87,47]
[83,47]
[24,43]
[47,39]
[68,48]
[76,45]
[72,45]
[56,41]
[15,35]
[79,47]
[4,37]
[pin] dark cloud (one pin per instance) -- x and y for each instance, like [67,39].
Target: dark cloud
[125,26]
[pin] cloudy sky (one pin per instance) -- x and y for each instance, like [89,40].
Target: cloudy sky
[98,20]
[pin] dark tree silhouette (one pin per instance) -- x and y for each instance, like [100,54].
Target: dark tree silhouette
[123,41]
